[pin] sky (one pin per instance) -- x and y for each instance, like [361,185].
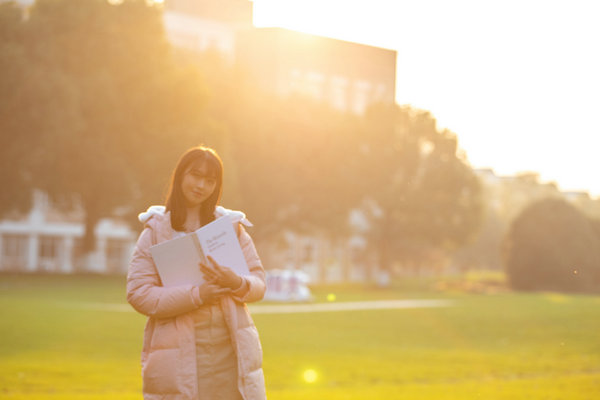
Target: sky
[518,82]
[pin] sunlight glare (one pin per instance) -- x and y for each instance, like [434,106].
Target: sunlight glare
[518,99]
[310,376]
[315,17]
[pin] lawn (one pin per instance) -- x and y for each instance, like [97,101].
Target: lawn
[57,343]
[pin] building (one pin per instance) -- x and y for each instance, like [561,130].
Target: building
[201,25]
[46,240]
[348,76]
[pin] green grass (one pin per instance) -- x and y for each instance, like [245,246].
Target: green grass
[504,346]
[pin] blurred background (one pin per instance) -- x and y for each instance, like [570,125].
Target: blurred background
[326,117]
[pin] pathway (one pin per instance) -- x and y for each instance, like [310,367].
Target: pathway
[298,308]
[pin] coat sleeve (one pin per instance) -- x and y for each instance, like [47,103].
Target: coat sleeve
[145,292]
[253,287]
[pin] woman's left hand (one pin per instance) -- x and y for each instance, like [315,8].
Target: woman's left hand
[222,276]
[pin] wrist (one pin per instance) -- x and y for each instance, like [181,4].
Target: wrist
[238,284]
[196,296]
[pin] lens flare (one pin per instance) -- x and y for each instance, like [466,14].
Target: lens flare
[310,376]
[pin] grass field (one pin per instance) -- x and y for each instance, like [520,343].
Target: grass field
[55,343]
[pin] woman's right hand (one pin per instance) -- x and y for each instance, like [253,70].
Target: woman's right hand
[210,292]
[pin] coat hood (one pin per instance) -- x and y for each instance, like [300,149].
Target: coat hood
[235,216]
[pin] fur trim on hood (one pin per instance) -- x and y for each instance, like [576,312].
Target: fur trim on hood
[235,216]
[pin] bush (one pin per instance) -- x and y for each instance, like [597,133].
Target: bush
[551,245]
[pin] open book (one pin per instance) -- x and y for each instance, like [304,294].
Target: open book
[177,259]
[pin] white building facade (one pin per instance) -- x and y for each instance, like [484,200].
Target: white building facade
[45,240]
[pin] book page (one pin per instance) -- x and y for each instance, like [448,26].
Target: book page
[177,261]
[219,240]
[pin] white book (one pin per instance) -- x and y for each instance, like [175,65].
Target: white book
[177,260]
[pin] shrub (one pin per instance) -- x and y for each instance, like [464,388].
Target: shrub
[551,245]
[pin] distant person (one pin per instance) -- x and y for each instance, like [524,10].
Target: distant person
[200,341]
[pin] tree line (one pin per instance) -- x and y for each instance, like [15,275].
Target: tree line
[97,107]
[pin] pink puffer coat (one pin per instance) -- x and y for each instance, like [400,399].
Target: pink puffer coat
[169,352]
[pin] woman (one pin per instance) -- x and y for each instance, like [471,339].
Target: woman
[200,341]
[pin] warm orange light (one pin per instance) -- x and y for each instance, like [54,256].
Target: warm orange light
[518,99]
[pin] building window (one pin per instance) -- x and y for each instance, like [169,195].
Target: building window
[339,92]
[307,83]
[185,40]
[77,254]
[314,85]
[296,81]
[49,256]
[14,252]
[361,96]
[380,92]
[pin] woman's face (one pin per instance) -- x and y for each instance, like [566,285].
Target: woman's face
[197,184]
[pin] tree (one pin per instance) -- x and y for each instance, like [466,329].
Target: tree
[290,156]
[503,199]
[551,245]
[296,156]
[422,192]
[103,109]
[15,85]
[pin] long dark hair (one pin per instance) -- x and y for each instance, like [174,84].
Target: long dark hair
[175,202]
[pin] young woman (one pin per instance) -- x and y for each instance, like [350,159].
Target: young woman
[200,341]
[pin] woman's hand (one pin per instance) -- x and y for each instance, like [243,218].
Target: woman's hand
[220,275]
[210,292]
